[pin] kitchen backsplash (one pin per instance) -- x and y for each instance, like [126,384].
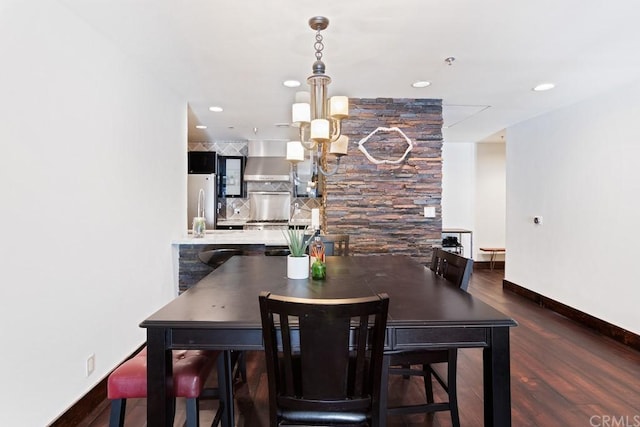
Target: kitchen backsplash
[223,148]
[230,205]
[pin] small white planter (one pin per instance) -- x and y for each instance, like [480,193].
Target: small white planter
[298,267]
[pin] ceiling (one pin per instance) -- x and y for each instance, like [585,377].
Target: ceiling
[236,54]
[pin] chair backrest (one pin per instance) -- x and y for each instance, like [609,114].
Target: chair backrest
[453,267]
[435,260]
[335,244]
[324,357]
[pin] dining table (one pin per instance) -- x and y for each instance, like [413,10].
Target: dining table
[221,312]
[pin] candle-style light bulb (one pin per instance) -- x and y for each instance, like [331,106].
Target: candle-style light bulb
[300,113]
[295,151]
[339,146]
[320,130]
[339,107]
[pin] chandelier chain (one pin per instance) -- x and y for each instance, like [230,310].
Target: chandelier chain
[319,46]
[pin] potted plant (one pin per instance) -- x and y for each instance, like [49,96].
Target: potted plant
[297,260]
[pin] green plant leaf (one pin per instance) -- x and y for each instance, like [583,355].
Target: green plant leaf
[296,242]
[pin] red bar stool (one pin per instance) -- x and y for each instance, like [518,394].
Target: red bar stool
[191,368]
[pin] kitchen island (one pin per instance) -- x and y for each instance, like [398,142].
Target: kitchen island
[189,270]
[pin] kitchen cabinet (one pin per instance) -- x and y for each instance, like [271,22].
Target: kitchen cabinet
[201,162]
[231,176]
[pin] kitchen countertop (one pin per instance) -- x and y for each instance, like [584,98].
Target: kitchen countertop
[237,222]
[249,237]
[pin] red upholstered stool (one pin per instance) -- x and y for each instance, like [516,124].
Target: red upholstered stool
[191,368]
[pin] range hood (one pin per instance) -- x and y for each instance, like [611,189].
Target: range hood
[267,161]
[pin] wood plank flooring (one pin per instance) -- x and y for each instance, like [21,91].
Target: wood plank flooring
[562,374]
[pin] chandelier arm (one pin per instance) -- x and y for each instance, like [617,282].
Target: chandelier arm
[333,171]
[294,170]
[302,127]
[309,145]
[336,130]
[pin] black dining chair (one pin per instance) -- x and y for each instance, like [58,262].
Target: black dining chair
[453,267]
[457,271]
[336,244]
[324,359]
[435,260]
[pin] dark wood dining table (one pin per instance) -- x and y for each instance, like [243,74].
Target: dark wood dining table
[221,312]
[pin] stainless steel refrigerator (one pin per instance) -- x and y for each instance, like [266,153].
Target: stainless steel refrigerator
[206,182]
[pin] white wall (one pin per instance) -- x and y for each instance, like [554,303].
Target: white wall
[92,178]
[577,167]
[490,207]
[458,188]
[473,193]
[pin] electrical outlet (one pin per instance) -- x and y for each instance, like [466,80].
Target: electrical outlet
[91,364]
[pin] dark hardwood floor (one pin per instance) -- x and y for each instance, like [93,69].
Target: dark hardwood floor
[562,374]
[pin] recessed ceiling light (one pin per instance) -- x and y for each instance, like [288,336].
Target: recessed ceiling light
[216,109]
[544,86]
[201,127]
[291,83]
[421,83]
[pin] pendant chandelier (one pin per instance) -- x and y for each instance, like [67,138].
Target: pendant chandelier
[318,117]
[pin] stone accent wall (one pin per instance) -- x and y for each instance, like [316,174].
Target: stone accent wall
[382,206]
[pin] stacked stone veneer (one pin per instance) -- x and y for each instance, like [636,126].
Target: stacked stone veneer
[381,207]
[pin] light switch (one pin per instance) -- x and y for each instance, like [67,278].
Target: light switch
[429,212]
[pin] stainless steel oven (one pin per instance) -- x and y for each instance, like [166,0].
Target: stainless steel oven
[268,210]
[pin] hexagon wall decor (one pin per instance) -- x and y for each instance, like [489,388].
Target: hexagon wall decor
[380,162]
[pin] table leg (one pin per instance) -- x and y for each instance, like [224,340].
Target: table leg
[160,401]
[383,401]
[225,386]
[497,379]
